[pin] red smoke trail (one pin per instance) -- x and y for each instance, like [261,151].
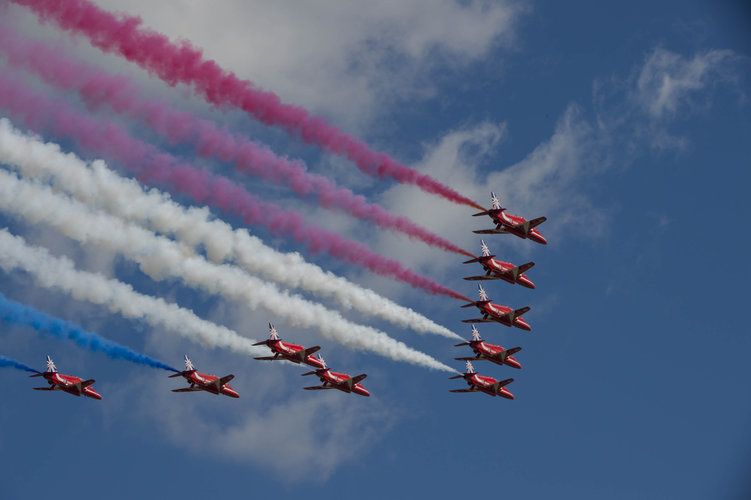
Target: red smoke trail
[121,94]
[182,63]
[151,165]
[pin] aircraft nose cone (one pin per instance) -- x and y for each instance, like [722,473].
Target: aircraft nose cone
[520,323]
[524,281]
[506,394]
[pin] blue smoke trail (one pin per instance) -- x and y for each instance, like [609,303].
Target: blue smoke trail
[15,364]
[20,314]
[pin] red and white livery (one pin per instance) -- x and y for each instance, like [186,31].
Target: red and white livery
[490,352]
[291,352]
[203,382]
[334,380]
[513,224]
[500,314]
[66,383]
[499,270]
[479,383]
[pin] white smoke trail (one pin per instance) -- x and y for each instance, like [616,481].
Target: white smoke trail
[60,273]
[126,199]
[160,258]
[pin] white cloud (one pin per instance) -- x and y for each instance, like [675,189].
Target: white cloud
[332,56]
[669,81]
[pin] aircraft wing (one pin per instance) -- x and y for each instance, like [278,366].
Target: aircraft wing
[483,277]
[511,352]
[319,387]
[490,231]
[525,267]
[478,320]
[43,388]
[223,381]
[187,389]
[519,312]
[267,358]
[358,378]
[536,222]
[463,390]
[312,350]
[471,358]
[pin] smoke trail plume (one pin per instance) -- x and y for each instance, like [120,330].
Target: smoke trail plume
[161,258]
[20,314]
[125,198]
[182,63]
[59,273]
[121,94]
[151,165]
[7,362]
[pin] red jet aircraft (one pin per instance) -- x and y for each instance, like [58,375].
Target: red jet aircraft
[508,223]
[203,382]
[60,382]
[334,380]
[291,352]
[488,385]
[501,314]
[490,352]
[498,270]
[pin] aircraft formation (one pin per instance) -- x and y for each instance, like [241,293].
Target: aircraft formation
[220,385]
[495,269]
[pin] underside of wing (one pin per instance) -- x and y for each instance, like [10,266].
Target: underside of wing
[187,389]
[43,388]
[489,231]
[318,388]
[463,390]
[483,277]
[267,358]
[536,222]
[477,320]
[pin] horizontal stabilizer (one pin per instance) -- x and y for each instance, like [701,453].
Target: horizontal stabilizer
[358,378]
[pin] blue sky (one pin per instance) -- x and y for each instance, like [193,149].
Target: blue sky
[627,126]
